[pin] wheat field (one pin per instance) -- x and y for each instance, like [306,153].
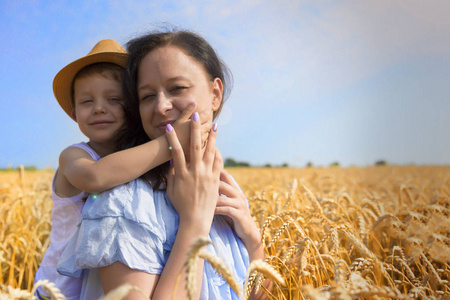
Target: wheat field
[328,233]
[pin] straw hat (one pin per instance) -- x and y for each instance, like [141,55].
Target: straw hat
[104,51]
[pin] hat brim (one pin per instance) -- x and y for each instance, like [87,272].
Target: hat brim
[62,84]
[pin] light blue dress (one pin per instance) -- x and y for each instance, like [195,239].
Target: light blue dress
[136,225]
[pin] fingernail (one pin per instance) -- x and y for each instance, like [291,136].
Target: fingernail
[169,127]
[215,127]
[171,162]
[196,118]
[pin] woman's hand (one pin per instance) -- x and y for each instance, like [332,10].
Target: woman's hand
[182,127]
[233,205]
[193,184]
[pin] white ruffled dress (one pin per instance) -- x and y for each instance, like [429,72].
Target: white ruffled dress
[136,225]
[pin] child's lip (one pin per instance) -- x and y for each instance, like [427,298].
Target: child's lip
[101,122]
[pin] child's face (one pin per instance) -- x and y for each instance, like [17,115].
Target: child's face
[98,107]
[168,80]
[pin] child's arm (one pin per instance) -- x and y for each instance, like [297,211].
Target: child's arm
[84,174]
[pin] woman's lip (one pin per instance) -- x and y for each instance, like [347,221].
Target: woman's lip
[162,125]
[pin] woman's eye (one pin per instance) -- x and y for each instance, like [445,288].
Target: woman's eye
[115,99]
[178,88]
[86,101]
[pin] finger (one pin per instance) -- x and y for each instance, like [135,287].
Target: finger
[228,190]
[206,125]
[186,114]
[225,201]
[210,151]
[205,136]
[179,161]
[205,130]
[225,211]
[196,141]
[229,220]
[226,177]
[218,163]
[170,179]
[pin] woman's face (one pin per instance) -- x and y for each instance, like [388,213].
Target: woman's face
[168,81]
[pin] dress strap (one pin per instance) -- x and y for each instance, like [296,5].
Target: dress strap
[88,149]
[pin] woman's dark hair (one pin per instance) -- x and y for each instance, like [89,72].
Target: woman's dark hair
[193,45]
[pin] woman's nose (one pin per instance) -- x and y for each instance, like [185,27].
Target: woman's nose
[163,104]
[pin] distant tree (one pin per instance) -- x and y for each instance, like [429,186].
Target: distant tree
[230,162]
[334,164]
[267,166]
[309,164]
[285,165]
[30,167]
[380,163]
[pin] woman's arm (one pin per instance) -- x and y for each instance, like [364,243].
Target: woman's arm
[233,206]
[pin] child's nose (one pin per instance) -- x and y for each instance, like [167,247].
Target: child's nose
[99,107]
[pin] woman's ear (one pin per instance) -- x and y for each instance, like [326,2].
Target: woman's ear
[217,91]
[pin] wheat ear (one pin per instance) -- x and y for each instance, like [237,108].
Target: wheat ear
[313,200]
[264,268]
[50,287]
[12,293]
[191,265]
[222,269]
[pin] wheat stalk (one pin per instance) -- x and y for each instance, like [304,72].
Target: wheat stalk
[222,269]
[191,265]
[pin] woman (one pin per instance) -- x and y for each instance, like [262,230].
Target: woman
[141,234]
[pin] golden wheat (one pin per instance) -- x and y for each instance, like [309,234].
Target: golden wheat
[329,232]
[222,269]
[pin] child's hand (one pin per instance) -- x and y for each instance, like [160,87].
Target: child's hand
[233,206]
[193,186]
[183,128]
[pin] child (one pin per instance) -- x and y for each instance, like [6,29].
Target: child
[89,90]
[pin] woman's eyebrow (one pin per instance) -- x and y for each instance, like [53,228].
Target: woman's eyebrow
[172,79]
[144,86]
[181,77]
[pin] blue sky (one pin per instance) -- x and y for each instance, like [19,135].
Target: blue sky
[319,81]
